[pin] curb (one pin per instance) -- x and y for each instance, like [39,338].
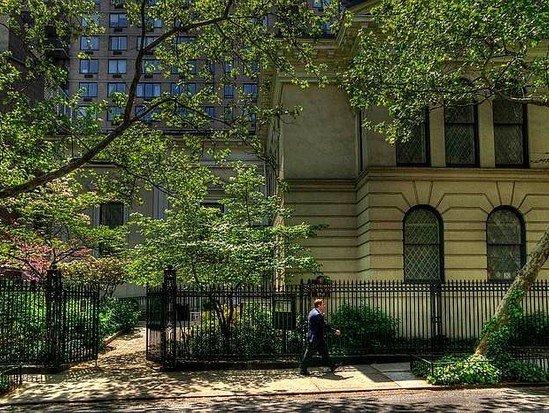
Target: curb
[204,396]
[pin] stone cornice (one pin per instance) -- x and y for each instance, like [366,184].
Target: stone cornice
[453,174]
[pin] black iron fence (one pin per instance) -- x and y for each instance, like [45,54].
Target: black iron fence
[48,324]
[10,377]
[186,323]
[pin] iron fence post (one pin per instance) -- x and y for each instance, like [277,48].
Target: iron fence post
[54,317]
[436,317]
[168,323]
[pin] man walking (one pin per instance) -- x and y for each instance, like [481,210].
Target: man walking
[317,327]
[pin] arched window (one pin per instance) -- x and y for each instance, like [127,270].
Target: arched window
[423,255]
[506,249]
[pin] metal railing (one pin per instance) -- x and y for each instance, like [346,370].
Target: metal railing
[199,323]
[48,324]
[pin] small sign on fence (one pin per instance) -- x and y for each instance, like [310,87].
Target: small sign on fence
[195,318]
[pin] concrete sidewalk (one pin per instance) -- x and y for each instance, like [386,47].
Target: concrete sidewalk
[123,373]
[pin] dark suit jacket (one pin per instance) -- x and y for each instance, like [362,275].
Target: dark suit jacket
[317,327]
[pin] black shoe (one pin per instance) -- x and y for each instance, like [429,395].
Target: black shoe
[304,373]
[334,367]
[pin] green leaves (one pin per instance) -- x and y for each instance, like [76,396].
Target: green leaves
[52,225]
[239,247]
[418,52]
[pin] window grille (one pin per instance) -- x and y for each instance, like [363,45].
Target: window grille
[505,244]
[461,135]
[509,133]
[422,245]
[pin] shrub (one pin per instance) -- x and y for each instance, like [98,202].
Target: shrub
[363,327]
[251,334]
[117,315]
[524,372]
[4,383]
[529,329]
[464,370]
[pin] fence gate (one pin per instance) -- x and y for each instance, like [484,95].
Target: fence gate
[48,324]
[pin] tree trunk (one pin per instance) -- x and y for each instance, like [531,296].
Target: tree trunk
[518,289]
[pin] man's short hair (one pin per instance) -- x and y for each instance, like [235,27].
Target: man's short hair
[317,302]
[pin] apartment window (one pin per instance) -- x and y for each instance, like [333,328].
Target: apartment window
[415,150]
[423,254]
[319,4]
[505,249]
[145,117]
[118,20]
[87,21]
[89,66]
[510,135]
[82,111]
[148,90]
[116,87]
[114,114]
[176,89]
[228,114]
[151,66]
[192,67]
[461,135]
[118,43]
[153,23]
[210,66]
[117,66]
[89,89]
[89,43]
[228,91]
[147,40]
[250,89]
[190,88]
[210,112]
[185,39]
[227,67]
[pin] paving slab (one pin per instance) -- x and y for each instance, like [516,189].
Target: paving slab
[123,373]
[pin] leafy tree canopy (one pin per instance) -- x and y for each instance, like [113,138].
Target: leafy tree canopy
[40,142]
[51,225]
[424,53]
[238,247]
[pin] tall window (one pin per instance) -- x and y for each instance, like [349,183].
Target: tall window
[423,255]
[461,135]
[415,151]
[510,137]
[506,250]
[111,214]
[228,91]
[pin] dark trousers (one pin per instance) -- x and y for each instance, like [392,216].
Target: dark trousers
[322,349]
